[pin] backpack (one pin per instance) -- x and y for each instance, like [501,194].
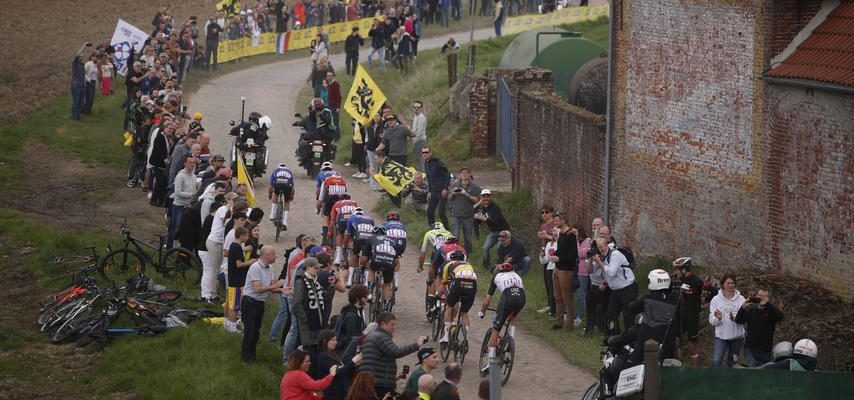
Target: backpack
[630,257]
[343,338]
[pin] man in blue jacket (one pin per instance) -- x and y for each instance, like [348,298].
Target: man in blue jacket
[438,180]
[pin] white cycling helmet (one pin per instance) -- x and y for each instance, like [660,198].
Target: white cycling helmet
[438,225]
[782,350]
[806,347]
[659,279]
[358,211]
[326,166]
[265,122]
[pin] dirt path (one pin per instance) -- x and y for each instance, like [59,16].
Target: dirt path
[539,373]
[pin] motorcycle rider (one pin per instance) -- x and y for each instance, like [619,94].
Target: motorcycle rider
[255,128]
[319,125]
[281,184]
[804,357]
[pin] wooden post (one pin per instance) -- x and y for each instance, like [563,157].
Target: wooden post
[452,69]
[652,372]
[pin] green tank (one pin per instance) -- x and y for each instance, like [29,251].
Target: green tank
[520,53]
[565,57]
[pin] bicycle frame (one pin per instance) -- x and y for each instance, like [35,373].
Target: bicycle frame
[140,246]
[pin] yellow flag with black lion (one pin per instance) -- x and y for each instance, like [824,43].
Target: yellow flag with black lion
[365,98]
[394,176]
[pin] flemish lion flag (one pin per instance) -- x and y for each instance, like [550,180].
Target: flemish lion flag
[243,177]
[393,176]
[365,97]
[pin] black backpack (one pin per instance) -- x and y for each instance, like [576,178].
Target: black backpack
[630,257]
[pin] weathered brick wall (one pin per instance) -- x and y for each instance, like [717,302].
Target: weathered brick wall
[559,154]
[809,179]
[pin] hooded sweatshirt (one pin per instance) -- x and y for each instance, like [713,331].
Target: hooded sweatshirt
[726,328]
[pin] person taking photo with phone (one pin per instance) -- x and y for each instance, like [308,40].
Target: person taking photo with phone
[760,318]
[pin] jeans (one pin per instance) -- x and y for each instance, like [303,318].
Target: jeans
[755,358]
[488,244]
[581,294]
[619,303]
[597,303]
[292,340]
[212,55]
[252,312]
[210,268]
[416,153]
[336,114]
[78,100]
[437,201]
[381,52]
[351,61]
[455,9]
[90,98]
[281,318]
[374,168]
[720,348]
[548,276]
[497,25]
[522,267]
[443,16]
[175,214]
[463,226]
[158,186]
[563,295]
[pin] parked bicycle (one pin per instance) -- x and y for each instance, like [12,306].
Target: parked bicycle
[136,165]
[178,267]
[505,352]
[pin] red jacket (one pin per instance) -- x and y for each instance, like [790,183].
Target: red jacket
[334,95]
[297,385]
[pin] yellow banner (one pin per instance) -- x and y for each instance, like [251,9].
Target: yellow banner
[365,98]
[570,15]
[243,177]
[393,176]
[234,49]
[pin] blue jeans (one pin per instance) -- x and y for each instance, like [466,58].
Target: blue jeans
[281,317]
[755,358]
[522,267]
[498,27]
[581,293]
[292,340]
[175,214]
[488,244]
[374,168]
[443,16]
[78,100]
[720,348]
[381,52]
[463,226]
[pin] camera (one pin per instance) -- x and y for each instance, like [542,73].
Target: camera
[594,251]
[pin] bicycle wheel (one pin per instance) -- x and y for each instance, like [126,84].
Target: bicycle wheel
[72,326]
[120,264]
[462,345]
[483,360]
[278,224]
[446,347]
[93,331]
[181,268]
[58,314]
[376,301]
[592,392]
[438,322]
[508,355]
[428,304]
[161,296]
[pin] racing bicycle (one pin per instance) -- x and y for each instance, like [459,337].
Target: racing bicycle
[457,340]
[505,352]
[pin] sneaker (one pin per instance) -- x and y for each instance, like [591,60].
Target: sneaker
[357,175]
[576,322]
[543,310]
[347,164]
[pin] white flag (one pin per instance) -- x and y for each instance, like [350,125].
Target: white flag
[125,37]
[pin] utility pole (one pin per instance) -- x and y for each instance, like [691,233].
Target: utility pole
[470,62]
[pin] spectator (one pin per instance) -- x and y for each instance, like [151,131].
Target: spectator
[308,303]
[378,43]
[362,387]
[373,137]
[158,160]
[438,180]
[566,261]
[483,390]
[498,17]
[394,140]
[179,153]
[78,83]
[326,359]
[296,259]
[238,267]
[404,55]
[353,315]
[357,153]
[329,282]
[259,283]
[447,389]
[584,244]
[416,192]
[91,77]
[351,50]
[729,334]
[185,187]
[334,100]
[451,46]
[214,244]
[429,360]
[297,384]
[760,319]
[689,317]
[213,30]
[443,12]
[598,295]
[511,250]
[547,227]
[425,388]
[419,127]
[621,280]
[380,354]
[486,211]
[464,194]
[549,251]
[284,312]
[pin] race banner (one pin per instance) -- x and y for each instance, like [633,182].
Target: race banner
[365,98]
[393,176]
[125,37]
[243,177]
[234,49]
[569,15]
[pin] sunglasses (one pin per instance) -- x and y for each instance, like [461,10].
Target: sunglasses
[425,152]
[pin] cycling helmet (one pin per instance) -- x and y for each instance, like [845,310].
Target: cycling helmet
[282,165]
[683,263]
[197,116]
[507,267]
[392,216]
[326,166]
[336,174]
[379,230]
[254,116]
[783,350]
[438,225]
[317,102]
[345,196]
[358,211]
[457,255]
[451,240]
[806,347]
[659,279]
[265,122]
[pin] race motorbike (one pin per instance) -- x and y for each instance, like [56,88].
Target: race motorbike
[311,151]
[249,143]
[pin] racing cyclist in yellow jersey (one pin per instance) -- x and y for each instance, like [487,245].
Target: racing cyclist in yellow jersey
[433,239]
[461,280]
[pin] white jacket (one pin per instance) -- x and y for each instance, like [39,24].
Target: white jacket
[726,328]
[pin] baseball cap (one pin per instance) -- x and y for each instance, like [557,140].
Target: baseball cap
[424,353]
[197,115]
[311,262]
[485,192]
[316,250]
[218,157]
[224,172]
[230,196]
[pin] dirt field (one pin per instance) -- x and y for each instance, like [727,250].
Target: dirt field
[40,38]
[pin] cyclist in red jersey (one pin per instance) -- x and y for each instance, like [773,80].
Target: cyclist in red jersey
[341,212]
[330,192]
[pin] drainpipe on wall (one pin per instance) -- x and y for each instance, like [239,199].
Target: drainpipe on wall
[608,116]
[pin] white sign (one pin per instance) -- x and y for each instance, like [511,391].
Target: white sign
[125,37]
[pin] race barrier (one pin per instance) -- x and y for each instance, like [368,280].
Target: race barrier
[570,15]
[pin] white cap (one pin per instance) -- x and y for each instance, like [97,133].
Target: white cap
[486,191]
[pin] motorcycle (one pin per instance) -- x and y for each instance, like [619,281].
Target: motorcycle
[311,152]
[255,155]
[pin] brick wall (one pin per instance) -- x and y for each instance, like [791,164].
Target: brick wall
[559,154]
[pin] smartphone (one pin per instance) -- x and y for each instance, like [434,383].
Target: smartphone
[358,349]
[406,370]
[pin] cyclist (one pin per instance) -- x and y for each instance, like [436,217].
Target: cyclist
[396,230]
[342,210]
[461,280]
[326,171]
[281,184]
[510,304]
[433,239]
[380,256]
[330,192]
[360,228]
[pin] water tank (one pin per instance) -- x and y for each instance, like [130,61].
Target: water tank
[565,57]
[588,88]
[521,51]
